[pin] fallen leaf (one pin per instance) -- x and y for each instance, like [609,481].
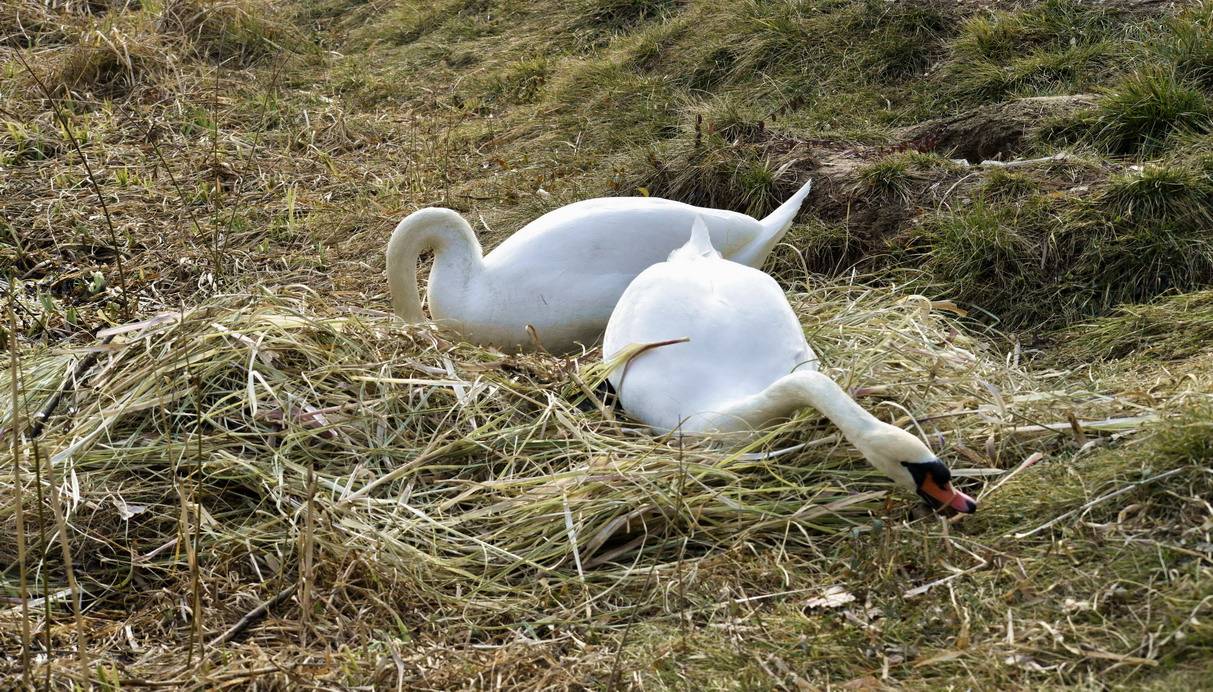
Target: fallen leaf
[833,597]
[128,511]
[938,658]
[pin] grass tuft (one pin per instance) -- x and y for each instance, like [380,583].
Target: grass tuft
[612,105]
[904,38]
[895,174]
[1174,196]
[619,15]
[711,171]
[516,83]
[228,32]
[1032,259]
[889,176]
[1169,328]
[1002,185]
[106,63]
[1146,109]
[29,141]
[29,23]
[1047,48]
[1190,48]
[986,255]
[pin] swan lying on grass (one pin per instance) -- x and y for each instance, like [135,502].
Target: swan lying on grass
[734,359]
[556,280]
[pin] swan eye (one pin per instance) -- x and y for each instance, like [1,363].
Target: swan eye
[934,469]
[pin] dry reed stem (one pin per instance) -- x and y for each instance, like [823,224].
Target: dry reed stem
[18,489]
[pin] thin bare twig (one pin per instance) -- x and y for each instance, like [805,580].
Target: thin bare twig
[308,546]
[92,179]
[253,616]
[38,422]
[195,526]
[151,139]
[66,550]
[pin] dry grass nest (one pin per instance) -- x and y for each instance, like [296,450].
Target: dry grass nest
[474,483]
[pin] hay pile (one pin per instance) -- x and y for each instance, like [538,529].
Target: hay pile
[280,437]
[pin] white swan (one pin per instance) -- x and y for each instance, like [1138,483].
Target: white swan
[745,364]
[563,272]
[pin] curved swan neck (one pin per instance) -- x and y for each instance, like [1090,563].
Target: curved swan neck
[814,389]
[457,256]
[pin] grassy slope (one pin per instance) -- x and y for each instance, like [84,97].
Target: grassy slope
[325,123]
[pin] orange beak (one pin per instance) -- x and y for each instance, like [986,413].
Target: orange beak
[947,496]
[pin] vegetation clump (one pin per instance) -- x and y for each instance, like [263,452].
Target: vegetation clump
[715,173]
[1036,260]
[1056,46]
[989,257]
[893,175]
[1190,49]
[26,23]
[224,31]
[620,15]
[1003,185]
[1146,109]
[1169,328]
[106,63]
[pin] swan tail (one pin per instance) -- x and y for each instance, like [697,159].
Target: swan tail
[774,226]
[779,221]
[699,246]
[426,229]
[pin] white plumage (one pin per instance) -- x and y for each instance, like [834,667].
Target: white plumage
[562,273]
[745,364]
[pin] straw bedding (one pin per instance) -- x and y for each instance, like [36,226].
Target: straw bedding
[474,483]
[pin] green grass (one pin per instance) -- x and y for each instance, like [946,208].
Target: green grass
[1190,49]
[896,174]
[236,33]
[1169,328]
[1174,196]
[890,176]
[709,170]
[904,38]
[620,15]
[1053,47]
[1144,111]
[517,82]
[1030,259]
[1003,185]
[250,144]
[987,256]
[1051,25]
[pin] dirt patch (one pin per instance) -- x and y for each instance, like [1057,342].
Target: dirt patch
[998,131]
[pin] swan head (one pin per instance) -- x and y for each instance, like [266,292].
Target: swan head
[912,465]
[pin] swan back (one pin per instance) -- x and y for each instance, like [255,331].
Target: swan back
[617,233]
[743,336]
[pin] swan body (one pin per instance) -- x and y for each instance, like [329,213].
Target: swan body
[561,274]
[745,364]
